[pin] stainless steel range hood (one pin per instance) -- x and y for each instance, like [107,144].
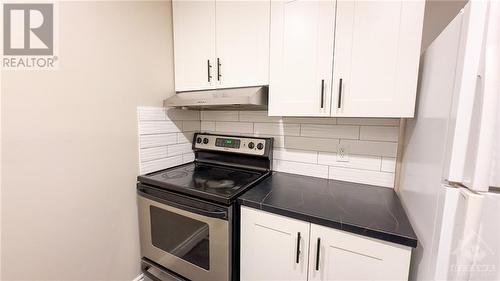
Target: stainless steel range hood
[249,98]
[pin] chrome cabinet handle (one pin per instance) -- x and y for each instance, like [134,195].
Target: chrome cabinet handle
[339,104]
[209,69]
[322,93]
[298,248]
[317,254]
[219,75]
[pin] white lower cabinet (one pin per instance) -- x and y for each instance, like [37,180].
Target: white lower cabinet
[269,246]
[269,252]
[346,256]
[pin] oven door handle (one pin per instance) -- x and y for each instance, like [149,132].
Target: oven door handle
[150,275]
[211,214]
[146,271]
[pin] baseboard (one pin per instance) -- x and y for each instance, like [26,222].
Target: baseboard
[139,278]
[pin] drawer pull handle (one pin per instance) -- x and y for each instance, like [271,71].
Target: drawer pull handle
[322,93]
[219,75]
[339,104]
[317,254]
[209,69]
[298,248]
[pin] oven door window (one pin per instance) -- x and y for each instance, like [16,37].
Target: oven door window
[180,236]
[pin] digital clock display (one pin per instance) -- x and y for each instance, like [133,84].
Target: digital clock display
[231,143]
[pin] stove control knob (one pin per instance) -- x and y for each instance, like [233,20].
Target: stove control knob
[260,146]
[198,140]
[251,145]
[205,140]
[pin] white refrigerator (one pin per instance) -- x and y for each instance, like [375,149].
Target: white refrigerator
[450,172]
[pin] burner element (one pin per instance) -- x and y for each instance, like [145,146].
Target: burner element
[220,184]
[174,174]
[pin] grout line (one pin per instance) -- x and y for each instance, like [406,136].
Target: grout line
[361,169]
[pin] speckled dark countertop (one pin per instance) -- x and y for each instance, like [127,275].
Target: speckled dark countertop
[357,208]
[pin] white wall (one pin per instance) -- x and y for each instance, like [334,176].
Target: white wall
[69,143]
[438,14]
[304,146]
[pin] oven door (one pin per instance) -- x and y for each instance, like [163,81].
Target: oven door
[186,236]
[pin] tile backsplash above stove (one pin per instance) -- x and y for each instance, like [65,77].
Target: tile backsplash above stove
[306,146]
[165,137]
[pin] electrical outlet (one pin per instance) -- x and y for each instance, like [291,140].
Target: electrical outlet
[342,154]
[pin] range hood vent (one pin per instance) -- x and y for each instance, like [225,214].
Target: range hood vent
[249,98]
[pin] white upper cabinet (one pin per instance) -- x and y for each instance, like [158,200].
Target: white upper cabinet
[301,63]
[242,43]
[220,44]
[376,58]
[272,247]
[194,45]
[371,49]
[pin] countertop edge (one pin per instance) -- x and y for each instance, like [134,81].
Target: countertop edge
[384,236]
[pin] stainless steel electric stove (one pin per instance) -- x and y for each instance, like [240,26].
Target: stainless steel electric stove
[189,222]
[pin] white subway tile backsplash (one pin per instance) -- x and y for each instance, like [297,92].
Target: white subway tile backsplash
[178,149]
[317,144]
[157,140]
[303,145]
[362,176]
[313,170]
[388,164]
[369,121]
[277,129]
[188,157]
[185,137]
[329,131]
[148,154]
[207,126]
[278,141]
[189,126]
[234,127]
[151,113]
[181,114]
[373,148]
[162,142]
[363,162]
[379,133]
[296,155]
[160,164]
[310,120]
[159,127]
[257,116]
[219,116]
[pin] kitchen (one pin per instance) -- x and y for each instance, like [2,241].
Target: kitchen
[276,155]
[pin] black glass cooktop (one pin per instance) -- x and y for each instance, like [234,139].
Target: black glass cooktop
[213,182]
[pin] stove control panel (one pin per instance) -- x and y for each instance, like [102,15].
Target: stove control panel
[238,144]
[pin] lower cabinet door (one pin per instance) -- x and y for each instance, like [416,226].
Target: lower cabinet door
[337,255]
[273,247]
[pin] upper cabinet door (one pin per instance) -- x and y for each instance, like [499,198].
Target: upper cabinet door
[301,57]
[377,51]
[273,247]
[242,43]
[194,45]
[337,255]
